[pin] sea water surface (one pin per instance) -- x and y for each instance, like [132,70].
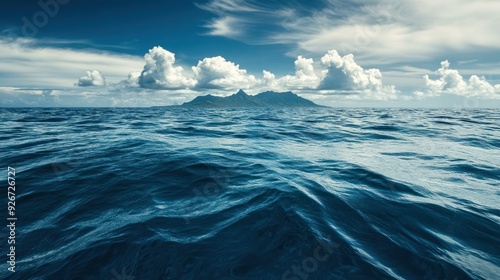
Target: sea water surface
[173,193]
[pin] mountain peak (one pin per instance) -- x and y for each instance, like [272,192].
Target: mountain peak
[241,92]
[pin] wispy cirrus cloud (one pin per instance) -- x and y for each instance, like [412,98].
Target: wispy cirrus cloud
[24,63]
[225,26]
[385,31]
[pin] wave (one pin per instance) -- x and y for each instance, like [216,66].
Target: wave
[254,193]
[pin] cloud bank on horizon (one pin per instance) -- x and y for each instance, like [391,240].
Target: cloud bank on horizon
[333,75]
[339,74]
[343,51]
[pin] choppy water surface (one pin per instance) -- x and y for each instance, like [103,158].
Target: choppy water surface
[254,193]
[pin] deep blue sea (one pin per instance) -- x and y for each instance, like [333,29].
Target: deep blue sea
[292,194]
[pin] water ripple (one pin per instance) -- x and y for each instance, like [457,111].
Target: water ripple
[171,193]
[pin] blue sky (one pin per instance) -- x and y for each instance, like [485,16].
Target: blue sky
[337,53]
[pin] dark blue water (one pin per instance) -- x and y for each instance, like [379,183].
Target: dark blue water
[253,193]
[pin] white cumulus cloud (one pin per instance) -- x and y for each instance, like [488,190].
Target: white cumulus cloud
[160,72]
[451,82]
[305,76]
[338,76]
[269,81]
[91,78]
[343,73]
[217,72]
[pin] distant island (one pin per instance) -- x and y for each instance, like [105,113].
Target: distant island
[242,99]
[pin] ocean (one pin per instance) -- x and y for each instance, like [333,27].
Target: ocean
[292,194]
